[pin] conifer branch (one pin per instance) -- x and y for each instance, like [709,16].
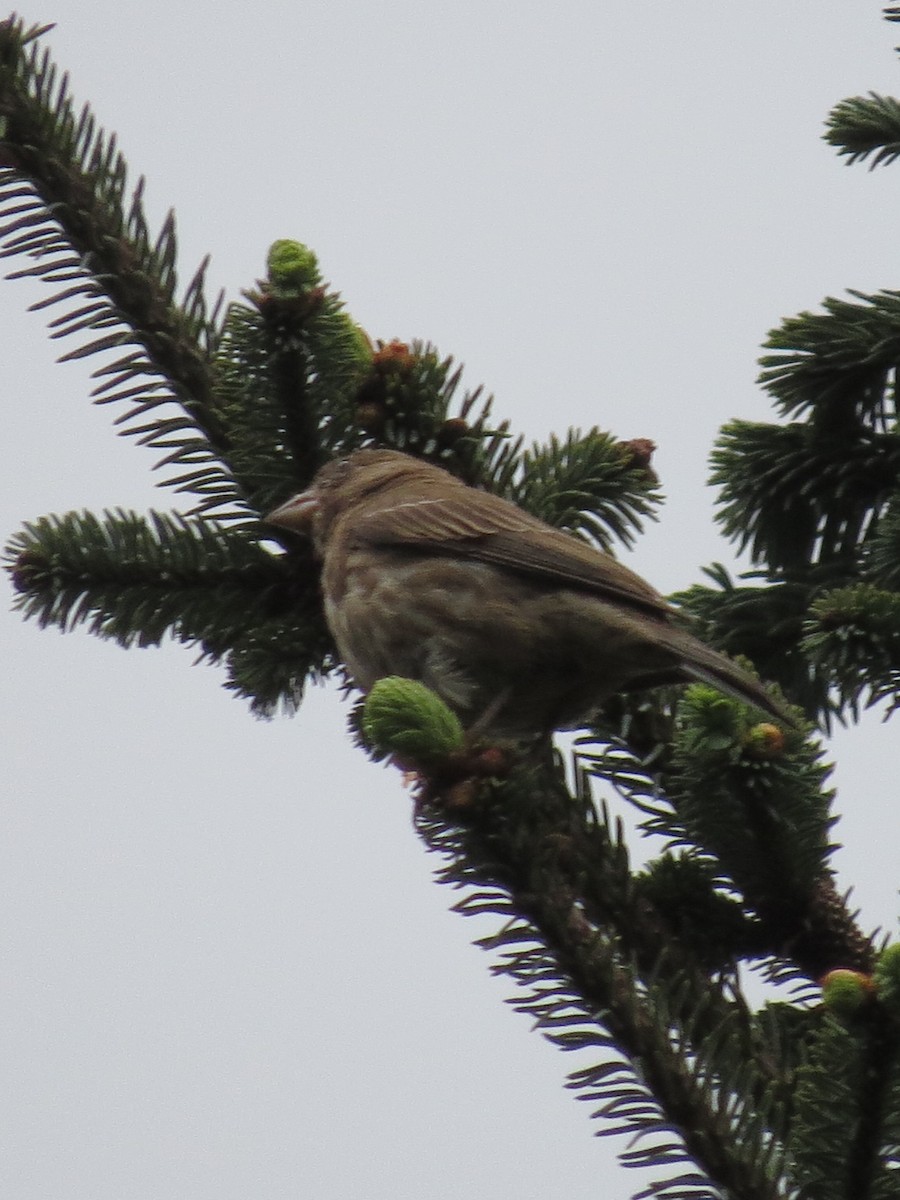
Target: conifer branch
[138,580]
[589,484]
[864,126]
[560,880]
[63,188]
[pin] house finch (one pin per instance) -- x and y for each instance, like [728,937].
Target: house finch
[519,627]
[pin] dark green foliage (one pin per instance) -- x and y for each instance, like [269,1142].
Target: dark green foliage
[138,580]
[581,940]
[702,914]
[813,500]
[588,484]
[882,562]
[765,816]
[866,125]
[76,568]
[852,1070]
[855,632]
[836,367]
[785,481]
[640,966]
[64,204]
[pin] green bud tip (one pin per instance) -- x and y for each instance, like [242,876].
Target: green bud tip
[405,718]
[845,991]
[291,266]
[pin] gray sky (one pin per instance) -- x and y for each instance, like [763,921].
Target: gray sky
[227,972]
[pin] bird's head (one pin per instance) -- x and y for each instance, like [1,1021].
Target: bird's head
[342,484]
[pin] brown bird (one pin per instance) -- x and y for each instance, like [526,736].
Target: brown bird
[519,627]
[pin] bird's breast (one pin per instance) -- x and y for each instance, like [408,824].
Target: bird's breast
[472,631]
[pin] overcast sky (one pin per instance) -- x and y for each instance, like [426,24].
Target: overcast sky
[227,971]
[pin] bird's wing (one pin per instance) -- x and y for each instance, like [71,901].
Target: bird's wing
[482,528]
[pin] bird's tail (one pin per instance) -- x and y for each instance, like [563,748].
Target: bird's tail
[702,663]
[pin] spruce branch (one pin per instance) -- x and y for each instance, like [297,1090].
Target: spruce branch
[864,126]
[839,364]
[63,188]
[752,818]
[137,580]
[853,633]
[557,873]
[797,496]
[589,484]
[843,1140]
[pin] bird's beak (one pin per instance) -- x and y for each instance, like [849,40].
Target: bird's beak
[297,515]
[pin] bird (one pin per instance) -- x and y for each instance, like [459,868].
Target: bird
[519,627]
